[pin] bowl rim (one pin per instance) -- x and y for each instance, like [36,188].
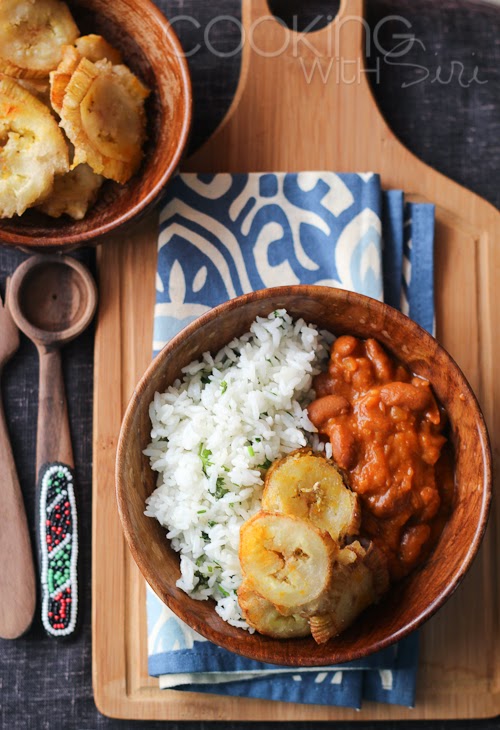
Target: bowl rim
[307,291]
[63,241]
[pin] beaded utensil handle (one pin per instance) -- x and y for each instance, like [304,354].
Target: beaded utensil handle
[58,535]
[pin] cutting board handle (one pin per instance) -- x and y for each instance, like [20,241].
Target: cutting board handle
[314,88]
[343,36]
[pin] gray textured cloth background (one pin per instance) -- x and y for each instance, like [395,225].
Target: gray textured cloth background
[46,684]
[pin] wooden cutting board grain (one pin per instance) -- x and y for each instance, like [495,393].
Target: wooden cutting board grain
[280,120]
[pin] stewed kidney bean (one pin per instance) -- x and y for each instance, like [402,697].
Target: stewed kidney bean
[386,431]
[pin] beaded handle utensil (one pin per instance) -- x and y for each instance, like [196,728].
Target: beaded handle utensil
[58,541]
[53,299]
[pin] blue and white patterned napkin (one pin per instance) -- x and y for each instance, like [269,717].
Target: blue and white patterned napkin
[224,235]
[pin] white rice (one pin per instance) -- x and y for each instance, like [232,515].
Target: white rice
[214,435]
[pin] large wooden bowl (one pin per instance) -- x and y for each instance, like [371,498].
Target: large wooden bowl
[151,49]
[409,603]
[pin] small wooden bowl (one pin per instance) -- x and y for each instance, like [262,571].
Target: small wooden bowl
[409,603]
[151,49]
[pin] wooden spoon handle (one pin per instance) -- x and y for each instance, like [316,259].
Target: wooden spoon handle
[56,508]
[17,573]
[53,442]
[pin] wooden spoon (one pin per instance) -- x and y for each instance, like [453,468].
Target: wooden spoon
[53,299]
[17,573]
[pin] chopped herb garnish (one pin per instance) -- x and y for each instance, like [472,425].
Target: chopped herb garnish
[205,379]
[223,591]
[223,387]
[220,489]
[226,468]
[201,511]
[205,537]
[204,455]
[200,560]
[250,450]
[211,523]
[210,569]
[258,440]
[202,580]
[266,464]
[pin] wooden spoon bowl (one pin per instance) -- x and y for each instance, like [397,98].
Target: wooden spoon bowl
[409,603]
[53,299]
[151,49]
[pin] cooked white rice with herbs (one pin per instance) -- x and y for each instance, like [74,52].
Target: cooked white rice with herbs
[214,435]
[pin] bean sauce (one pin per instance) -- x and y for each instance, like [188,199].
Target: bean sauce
[386,431]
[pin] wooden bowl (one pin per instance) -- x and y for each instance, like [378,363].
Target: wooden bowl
[409,603]
[151,49]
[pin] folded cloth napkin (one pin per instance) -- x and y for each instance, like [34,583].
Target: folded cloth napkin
[224,235]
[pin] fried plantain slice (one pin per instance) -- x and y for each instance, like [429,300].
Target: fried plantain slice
[286,560]
[103,116]
[359,578]
[32,34]
[72,194]
[60,78]
[259,613]
[309,486]
[96,48]
[32,149]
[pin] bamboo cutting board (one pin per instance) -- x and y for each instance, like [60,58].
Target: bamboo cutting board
[280,121]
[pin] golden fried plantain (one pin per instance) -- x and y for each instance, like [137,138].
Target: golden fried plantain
[60,78]
[73,193]
[309,486]
[32,149]
[360,576]
[96,48]
[259,613]
[286,560]
[32,34]
[103,116]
